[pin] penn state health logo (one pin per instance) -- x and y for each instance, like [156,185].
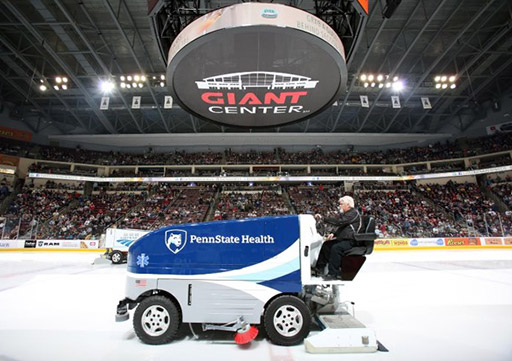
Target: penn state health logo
[175,240]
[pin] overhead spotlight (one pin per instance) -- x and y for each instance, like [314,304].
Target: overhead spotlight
[380,77]
[162,77]
[42,87]
[381,85]
[136,77]
[453,86]
[122,78]
[58,80]
[388,85]
[162,84]
[451,78]
[154,77]
[366,84]
[373,84]
[437,79]
[134,84]
[370,77]
[64,79]
[123,85]
[41,80]
[129,78]
[443,78]
[141,85]
[398,85]
[143,78]
[128,86]
[106,86]
[64,87]
[395,78]
[56,87]
[438,86]
[362,77]
[444,86]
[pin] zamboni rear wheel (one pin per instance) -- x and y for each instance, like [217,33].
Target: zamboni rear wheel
[287,320]
[116,257]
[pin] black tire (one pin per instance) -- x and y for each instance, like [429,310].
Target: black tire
[117,257]
[156,320]
[287,320]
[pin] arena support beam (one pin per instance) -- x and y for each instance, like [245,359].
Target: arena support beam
[37,106]
[402,59]
[447,48]
[41,40]
[98,59]
[27,64]
[389,52]
[484,84]
[139,65]
[503,40]
[448,94]
[373,12]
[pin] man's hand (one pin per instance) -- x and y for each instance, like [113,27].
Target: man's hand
[329,237]
[318,216]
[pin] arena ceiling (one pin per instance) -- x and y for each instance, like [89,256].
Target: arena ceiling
[87,41]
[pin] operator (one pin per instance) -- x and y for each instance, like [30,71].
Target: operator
[336,245]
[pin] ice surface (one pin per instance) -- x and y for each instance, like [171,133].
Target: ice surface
[423,305]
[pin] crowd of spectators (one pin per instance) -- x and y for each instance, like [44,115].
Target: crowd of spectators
[30,207]
[438,151]
[467,204]
[251,157]
[401,209]
[504,192]
[190,206]
[402,213]
[246,204]
[5,189]
[152,209]
[62,210]
[321,199]
[89,217]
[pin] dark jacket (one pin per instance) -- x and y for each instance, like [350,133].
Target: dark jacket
[348,224]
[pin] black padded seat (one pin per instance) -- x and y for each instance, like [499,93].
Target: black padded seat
[354,258]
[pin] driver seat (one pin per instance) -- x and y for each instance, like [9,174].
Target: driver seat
[355,257]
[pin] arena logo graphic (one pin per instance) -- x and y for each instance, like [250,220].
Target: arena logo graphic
[256,92]
[175,240]
[269,13]
[48,244]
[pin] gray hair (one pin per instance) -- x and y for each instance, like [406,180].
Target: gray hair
[349,200]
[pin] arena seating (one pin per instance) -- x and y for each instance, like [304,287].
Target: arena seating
[450,150]
[240,204]
[61,210]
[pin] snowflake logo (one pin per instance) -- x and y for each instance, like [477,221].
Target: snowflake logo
[142,260]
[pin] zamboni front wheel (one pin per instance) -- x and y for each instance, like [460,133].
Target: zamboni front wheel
[287,320]
[156,320]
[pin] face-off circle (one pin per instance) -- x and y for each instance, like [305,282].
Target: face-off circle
[256,65]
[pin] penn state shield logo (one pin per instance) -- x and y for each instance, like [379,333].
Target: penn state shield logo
[175,240]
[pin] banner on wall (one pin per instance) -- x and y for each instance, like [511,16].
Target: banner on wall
[9,160]
[426,242]
[458,242]
[17,134]
[67,244]
[499,128]
[450,242]
[391,242]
